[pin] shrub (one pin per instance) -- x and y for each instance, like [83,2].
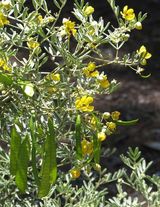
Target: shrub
[48,118]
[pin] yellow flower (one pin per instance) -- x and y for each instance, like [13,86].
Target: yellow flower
[91,66]
[128,14]
[138,25]
[89,10]
[101,136]
[83,104]
[75,173]
[3,20]
[54,76]
[111,126]
[90,71]
[40,19]
[94,74]
[103,81]
[7,68]
[87,147]
[115,115]
[32,44]
[4,65]
[93,121]
[144,54]
[2,62]
[69,27]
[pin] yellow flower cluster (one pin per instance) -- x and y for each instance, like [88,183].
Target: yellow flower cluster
[3,20]
[4,65]
[83,104]
[69,27]
[90,71]
[87,147]
[144,54]
[32,44]
[128,14]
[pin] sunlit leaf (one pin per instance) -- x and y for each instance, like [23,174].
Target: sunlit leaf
[126,123]
[49,165]
[22,165]
[14,150]
[78,137]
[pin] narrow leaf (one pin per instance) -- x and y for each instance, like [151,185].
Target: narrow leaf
[126,123]
[14,150]
[6,79]
[57,4]
[34,167]
[22,165]
[78,138]
[49,165]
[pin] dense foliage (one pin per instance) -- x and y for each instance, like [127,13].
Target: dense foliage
[48,119]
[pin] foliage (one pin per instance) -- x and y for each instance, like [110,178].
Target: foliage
[48,118]
[144,189]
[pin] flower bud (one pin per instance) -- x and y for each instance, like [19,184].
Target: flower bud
[106,115]
[97,167]
[89,10]
[75,173]
[138,25]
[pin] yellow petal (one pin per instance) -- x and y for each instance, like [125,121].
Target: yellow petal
[90,108]
[89,100]
[148,55]
[125,9]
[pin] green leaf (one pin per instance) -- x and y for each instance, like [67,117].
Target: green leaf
[6,79]
[49,165]
[22,165]
[14,150]
[34,167]
[78,137]
[57,4]
[35,4]
[96,148]
[127,123]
